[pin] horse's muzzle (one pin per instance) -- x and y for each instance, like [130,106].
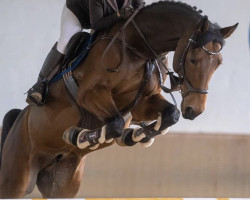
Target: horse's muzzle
[190,114]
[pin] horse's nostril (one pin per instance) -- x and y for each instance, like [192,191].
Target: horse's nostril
[189,113]
[189,110]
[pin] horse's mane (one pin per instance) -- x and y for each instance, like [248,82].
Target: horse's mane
[178,3]
[212,34]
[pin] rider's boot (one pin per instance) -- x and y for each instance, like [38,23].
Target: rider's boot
[53,62]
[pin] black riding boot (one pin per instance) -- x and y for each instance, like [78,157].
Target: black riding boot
[37,94]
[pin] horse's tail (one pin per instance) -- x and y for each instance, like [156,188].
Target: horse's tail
[8,122]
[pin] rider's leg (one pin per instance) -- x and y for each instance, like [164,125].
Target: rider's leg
[51,65]
[70,25]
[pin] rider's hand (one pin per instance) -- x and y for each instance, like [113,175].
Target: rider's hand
[126,12]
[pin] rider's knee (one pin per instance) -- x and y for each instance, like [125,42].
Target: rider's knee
[62,44]
[115,127]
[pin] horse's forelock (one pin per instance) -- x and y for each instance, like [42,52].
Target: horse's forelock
[213,34]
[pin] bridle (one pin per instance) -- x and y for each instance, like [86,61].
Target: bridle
[182,76]
[177,83]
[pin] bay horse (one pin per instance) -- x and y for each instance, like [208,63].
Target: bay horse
[40,148]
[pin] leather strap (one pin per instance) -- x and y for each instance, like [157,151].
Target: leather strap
[172,79]
[121,30]
[71,84]
[149,68]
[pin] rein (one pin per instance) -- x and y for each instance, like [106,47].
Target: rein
[125,45]
[177,83]
[72,85]
[121,31]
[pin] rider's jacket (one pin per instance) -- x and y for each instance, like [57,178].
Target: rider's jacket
[99,14]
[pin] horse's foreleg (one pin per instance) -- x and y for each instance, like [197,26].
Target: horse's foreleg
[63,178]
[148,109]
[99,102]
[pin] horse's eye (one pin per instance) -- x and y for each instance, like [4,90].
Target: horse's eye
[193,61]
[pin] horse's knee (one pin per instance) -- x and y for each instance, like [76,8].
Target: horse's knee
[167,118]
[115,127]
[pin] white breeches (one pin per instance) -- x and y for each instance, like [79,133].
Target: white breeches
[70,25]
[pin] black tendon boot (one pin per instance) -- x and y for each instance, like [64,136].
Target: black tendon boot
[37,94]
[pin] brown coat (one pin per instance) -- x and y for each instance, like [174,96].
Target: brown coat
[98,14]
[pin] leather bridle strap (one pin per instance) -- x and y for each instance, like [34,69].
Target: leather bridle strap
[149,68]
[121,30]
[170,73]
[157,58]
[184,78]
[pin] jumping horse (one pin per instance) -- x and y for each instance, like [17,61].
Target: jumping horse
[46,146]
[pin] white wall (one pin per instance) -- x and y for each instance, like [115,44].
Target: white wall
[28,29]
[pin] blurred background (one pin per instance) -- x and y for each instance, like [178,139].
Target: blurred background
[207,157]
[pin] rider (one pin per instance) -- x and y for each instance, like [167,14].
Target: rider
[77,15]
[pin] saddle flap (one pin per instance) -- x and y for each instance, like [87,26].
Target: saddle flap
[74,46]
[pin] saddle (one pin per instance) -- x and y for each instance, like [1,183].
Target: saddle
[75,46]
[76,51]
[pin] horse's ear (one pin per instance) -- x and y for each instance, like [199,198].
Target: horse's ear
[203,25]
[227,31]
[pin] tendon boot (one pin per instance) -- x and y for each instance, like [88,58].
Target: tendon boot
[53,62]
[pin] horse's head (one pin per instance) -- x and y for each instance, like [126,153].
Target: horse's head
[196,59]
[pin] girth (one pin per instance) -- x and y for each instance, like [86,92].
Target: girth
[149,68]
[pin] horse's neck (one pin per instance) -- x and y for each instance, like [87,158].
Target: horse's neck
[163,25]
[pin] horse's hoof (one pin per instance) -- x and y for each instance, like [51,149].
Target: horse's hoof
[138,135]
[71,134]
[120,142]
[164,132]
[149,143]
[109,141]
[94,147]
